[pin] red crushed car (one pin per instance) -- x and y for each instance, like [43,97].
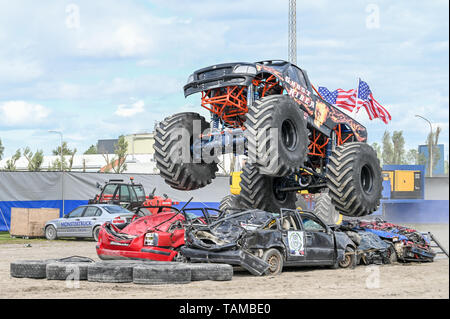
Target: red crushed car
[156,237]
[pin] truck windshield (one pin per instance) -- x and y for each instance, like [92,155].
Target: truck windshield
[139,192]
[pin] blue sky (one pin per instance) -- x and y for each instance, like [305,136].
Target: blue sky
[98,69]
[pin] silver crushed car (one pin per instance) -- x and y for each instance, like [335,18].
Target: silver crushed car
[85,221]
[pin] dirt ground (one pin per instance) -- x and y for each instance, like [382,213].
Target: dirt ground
[414,280]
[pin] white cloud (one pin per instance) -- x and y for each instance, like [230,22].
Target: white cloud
[21,113]
[130,110]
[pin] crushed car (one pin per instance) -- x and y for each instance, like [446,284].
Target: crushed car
[387,241]
[158,236]
[263,242]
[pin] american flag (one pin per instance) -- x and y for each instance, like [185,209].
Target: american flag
[350,99]
[339,97]
[373,108]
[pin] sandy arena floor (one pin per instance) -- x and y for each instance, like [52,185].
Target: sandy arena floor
[414,280]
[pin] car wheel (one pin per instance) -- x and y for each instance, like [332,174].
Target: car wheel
[391,254]
[50,232]
[349,258]
[96,232]
[275,260]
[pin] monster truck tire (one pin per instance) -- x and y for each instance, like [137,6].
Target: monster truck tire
[61,271]
[161,274]
[179,175]
[259,191]
[354,179]
[325,209]
[229,202]
[301,204]
[30,268]
[216,272]
[281,113]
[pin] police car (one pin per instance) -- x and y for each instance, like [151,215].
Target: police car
[85,221]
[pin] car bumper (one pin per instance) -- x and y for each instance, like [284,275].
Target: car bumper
[253,264]
[147,252]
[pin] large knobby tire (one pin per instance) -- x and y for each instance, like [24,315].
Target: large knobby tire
[354,179]
[230,202]
[261,191]
[216,272]
[180,172]
[275,259]
[161,274]
[325,209]
[278,154]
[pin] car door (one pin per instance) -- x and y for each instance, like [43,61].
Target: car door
[319,240]
[70,225]
[293,237]
[87,221]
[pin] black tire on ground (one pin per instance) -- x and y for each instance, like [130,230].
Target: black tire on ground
[275,259]
[50,232]
[260,191]
[30,268]
[324,208]
[281,113]
[229,202]
[349,259]
[354,179]
[110,272]
[179,175]
[161,274]
[96,232]
[216,272]
[67,270]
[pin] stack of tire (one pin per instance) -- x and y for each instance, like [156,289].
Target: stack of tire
[120,271]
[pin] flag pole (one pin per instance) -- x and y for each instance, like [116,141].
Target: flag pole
[357,94]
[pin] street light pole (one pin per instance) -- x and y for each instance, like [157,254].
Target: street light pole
[431,142]
[62,169]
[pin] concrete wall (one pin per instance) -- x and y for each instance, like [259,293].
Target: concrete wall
[436,188]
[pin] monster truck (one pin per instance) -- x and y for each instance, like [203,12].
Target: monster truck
[293,138]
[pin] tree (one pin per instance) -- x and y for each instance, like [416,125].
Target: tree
[398,141]
[67,166]
[11,163]
[2,149]
[34,160]
[377,148]
[388,152]
[91,150]
[117,164]
[432,144]
[413,157]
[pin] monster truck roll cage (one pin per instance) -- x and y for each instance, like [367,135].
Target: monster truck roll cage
[227,90]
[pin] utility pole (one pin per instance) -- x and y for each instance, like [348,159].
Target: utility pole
[62,168]
[292,38]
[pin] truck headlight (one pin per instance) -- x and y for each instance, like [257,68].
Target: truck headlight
[151,239]
[245,69]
